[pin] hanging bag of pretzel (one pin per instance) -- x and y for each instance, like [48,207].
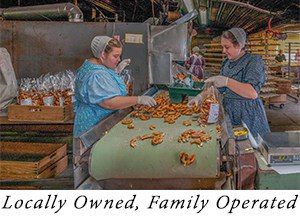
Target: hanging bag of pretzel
[210,105]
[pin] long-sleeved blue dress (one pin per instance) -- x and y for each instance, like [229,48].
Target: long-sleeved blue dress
[247,69]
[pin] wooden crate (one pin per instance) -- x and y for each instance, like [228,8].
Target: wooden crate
[39,113]
[281,99]
[24,161]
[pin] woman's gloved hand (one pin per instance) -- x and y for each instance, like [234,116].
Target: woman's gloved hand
[218,81]
[146,100]
[196,100]
[122,65]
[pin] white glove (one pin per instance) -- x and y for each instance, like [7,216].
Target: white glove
[146,100]
[196,100]
[218,81]
[122,65]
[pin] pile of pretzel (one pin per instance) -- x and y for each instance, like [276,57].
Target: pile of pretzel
[164,109]
[205,108]
[186,159]
[180,76]
[60,97]
[128,122]
[34,96]
[194,137]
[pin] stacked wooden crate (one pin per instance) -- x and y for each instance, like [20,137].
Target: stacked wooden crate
[265,47]
[40,113]
[283,85]
[27,160]
[213,56]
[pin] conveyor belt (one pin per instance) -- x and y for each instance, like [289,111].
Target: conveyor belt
[112,156]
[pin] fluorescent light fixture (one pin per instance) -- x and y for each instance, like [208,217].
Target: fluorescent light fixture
[203,16]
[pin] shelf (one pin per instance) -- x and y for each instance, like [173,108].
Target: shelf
[214,50]
[214,54]
[213,64]
[214,59]
[212,44]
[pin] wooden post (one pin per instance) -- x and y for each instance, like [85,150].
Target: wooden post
[94,14]
[289,65]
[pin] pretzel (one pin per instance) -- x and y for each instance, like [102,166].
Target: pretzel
[185,136]
[147,136]
[144,117]
[157,140]
[134,114]
[67,94]
[197,134]
[218,128]
[133,142]
[152,127]
[130,126]
[186,159]
[186,123]
[127,121]
[198,142]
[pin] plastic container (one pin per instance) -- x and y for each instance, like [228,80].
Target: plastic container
[240,133]
[177,92]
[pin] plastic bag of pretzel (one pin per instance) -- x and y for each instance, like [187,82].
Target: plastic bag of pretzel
[211,109]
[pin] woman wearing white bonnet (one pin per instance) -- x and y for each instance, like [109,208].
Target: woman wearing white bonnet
[195,63]
[99,90]
[241,78]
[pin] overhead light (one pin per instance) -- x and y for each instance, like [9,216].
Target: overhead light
[203,16]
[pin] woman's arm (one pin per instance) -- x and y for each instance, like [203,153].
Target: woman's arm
[119,102]
[243,89]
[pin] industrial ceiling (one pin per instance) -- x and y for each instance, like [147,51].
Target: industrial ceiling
[252,15]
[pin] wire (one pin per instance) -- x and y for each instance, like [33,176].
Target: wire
[290,6]
[100,12]
[134,10]
[152,4]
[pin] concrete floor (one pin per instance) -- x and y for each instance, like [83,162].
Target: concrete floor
[285,119]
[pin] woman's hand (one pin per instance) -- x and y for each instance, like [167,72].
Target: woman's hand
[146,100]
[218,81]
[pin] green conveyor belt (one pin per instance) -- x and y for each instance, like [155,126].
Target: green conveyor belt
[112,156]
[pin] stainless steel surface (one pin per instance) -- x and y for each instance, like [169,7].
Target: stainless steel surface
[93,135]
[174,41]
[137,52]
[151,91]
[281,140]
[280,148]
[161,71]
[186,18]
[227,133]
[44,12]
[164,47]
[38,48]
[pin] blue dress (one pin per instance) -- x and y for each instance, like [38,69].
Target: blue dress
[94,84]
[247,69]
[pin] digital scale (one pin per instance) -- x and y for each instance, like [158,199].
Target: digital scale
[280,148]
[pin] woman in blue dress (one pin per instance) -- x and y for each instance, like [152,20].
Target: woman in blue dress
[99,90]
[242,76]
